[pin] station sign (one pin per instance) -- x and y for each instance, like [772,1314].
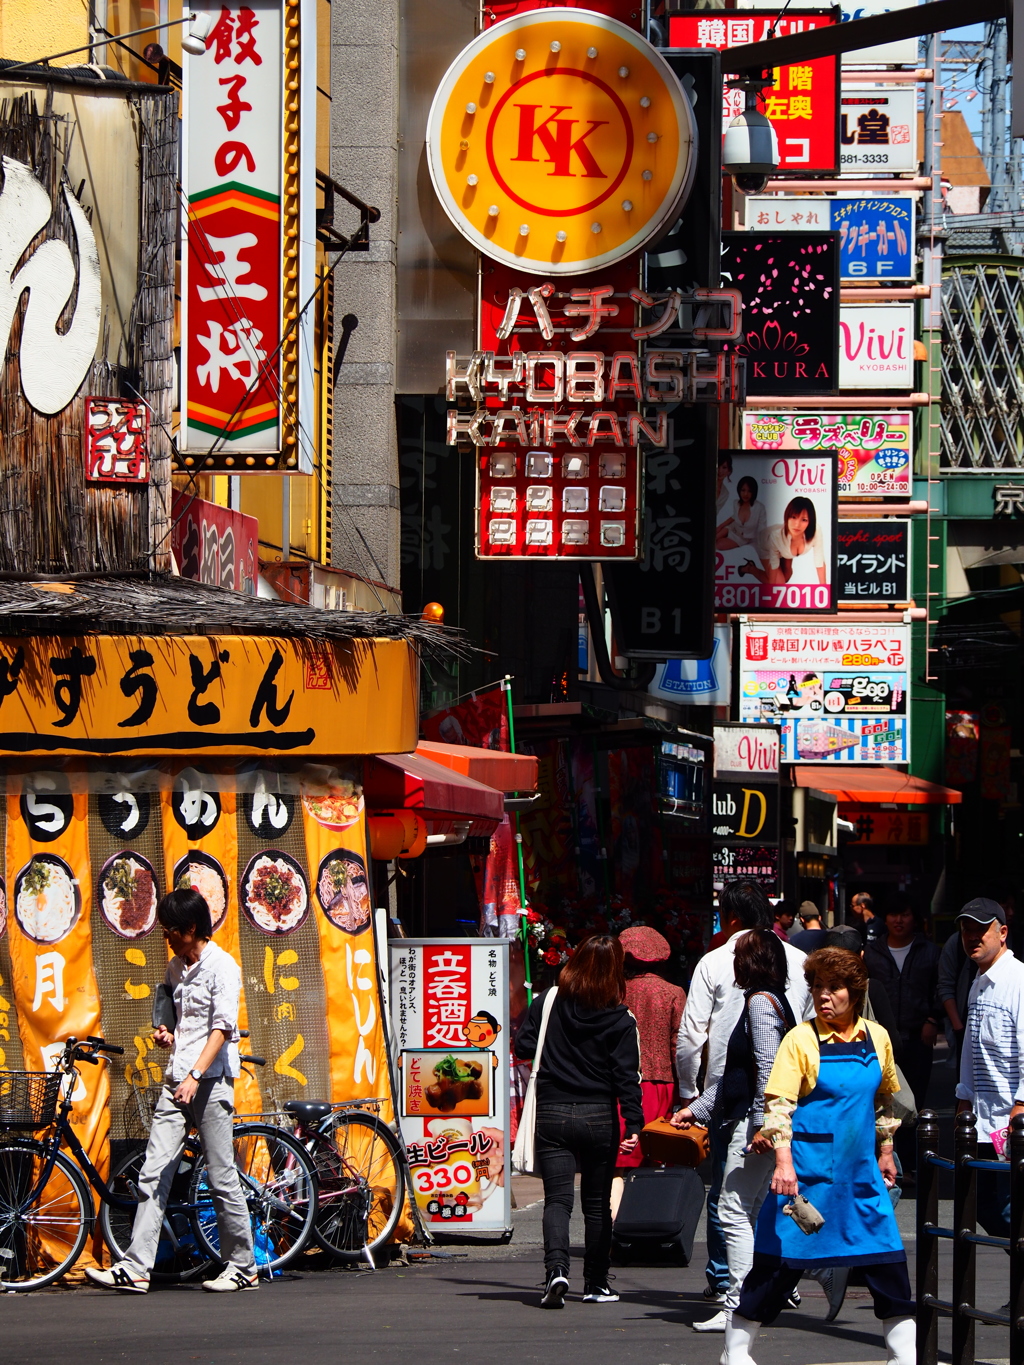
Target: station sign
[874,449]
[876,232]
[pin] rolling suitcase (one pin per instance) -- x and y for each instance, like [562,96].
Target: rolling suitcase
[658,1214]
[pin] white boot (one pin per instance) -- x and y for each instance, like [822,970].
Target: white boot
[740,1335]
[900,1340]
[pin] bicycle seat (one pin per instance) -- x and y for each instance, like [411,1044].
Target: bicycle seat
[308,1112]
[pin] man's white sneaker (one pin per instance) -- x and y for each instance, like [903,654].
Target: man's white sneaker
[231,1280]
[715,1324]
[120,1276]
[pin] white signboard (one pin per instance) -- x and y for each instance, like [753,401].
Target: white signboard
[698,682]
[746,751]
[449,1011]
[876,346]
[903,52]
[878,129]
[838,692]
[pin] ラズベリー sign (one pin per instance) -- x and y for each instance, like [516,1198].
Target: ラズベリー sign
[137,694]
[559,141]
[874,449]
[876,346]
[838,692]
[233,120]
[876,232]
[775,532]
[802,103]
[878,128]
[790,287]
[449,1013]
[874,561]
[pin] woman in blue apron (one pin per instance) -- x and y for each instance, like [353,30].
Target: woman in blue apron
[828,1102]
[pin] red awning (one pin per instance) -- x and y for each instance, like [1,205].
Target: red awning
[504,772]
[413,782]
[879,786]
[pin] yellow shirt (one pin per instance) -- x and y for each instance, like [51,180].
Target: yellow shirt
[795,1070]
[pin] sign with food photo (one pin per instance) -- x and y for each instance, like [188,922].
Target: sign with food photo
[449,1009]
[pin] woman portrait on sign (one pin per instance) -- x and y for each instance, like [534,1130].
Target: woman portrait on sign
[795,551]
[744,526]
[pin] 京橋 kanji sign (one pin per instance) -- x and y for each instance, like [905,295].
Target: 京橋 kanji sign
[559,142]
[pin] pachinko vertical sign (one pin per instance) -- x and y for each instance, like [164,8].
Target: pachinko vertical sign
[232,171]
[449,1005]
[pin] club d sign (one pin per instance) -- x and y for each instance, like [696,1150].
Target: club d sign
[560,141]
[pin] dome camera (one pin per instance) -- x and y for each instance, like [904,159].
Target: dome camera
[751,150]
[750,182]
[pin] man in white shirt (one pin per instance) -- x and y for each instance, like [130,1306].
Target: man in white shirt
[198,1089]
[714,1005]
[992,1066]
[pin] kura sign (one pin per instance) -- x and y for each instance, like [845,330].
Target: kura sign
[876,346]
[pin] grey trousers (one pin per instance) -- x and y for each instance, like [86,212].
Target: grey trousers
[211,1111]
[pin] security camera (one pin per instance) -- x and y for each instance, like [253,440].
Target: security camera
[751,151]
[750,183]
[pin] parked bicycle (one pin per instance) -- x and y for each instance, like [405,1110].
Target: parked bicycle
[46,1209]
[360,1174]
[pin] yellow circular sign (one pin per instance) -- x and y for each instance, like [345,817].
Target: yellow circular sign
[560,141]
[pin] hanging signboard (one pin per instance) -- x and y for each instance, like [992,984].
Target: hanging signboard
[559,142]
[902,52]
[746,812]
[874,450]
[745,804]
[745,752]
[698,682]
[876,232]
[789,284]
[661,607]
[876,346]
[758,863]
[873,826]
[878,129]
[802,103]
[775,532]
[838,692]
[214,544]
[874,562]
[449,1011]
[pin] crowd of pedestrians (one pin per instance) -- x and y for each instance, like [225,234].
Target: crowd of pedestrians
[806,1053]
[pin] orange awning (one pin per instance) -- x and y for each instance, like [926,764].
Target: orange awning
[880,786]
[413,782]
[504,772]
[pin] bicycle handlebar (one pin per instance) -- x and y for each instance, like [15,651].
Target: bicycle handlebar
[256,1061]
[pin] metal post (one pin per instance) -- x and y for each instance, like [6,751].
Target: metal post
[506,687]
[965,1220]
[927,1245]
[1017,1241]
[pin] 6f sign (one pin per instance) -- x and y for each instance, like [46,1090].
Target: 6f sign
[560,141]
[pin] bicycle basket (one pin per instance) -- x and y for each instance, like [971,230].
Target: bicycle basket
[138,1112]
[28,1099]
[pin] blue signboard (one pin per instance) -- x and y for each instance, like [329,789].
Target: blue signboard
[876,232]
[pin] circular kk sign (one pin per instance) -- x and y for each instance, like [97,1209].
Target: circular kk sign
[560,141]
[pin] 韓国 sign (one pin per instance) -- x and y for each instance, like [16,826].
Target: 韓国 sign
[874,450]
[775,532]
[876,346]
[789,284]
[901,52]
[231,287]
[449,1012]
[838,692]
[878,129]
[874,559]
[559,142]
[876,233]
[802,103]
[746,752]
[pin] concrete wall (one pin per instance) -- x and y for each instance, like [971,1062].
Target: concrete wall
[364,158]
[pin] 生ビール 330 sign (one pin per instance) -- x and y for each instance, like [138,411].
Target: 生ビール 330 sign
[560,141]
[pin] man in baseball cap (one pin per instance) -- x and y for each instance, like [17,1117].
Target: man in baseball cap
[992,1066]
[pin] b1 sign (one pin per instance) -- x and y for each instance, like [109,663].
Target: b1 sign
[876,346]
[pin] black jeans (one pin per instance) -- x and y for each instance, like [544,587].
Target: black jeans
[587,1136]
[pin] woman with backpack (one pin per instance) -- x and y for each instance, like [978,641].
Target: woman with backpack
[736,1104]
[590,1060]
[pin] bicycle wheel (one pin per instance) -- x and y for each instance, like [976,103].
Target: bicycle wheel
[178,1255]
[42,1231]
[361,1185]
[279,1184]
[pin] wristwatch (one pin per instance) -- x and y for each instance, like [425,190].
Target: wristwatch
[196,1075]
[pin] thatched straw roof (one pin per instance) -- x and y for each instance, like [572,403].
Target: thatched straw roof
[159,604]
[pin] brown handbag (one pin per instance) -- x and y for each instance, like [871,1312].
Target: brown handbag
[662,1142]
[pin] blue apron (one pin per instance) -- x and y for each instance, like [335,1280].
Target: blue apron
[836,1166]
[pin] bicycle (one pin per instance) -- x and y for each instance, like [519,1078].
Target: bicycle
[46,1209]
[360,1174]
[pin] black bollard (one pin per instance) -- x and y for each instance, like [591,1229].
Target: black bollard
[965,1223]
[927,1244]
[1017,1241]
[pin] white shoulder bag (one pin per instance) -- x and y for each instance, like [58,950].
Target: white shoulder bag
[522,1152]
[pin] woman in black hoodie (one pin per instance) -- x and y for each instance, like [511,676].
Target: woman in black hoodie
[590,1061]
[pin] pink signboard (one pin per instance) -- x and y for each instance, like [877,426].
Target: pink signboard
[874,450]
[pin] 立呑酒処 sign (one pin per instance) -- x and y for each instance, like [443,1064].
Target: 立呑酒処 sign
[873,449]
[873,560]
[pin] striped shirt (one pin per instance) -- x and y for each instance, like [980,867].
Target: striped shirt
[992,1067]
[767,1030]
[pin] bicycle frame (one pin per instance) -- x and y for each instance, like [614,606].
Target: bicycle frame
[65,1135]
